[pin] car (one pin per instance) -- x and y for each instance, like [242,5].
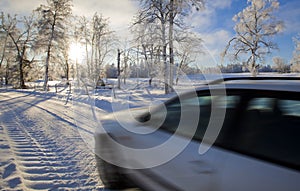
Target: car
[240,133]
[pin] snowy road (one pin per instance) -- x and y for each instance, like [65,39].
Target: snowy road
[40,147]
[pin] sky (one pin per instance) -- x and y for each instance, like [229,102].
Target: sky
[214,24]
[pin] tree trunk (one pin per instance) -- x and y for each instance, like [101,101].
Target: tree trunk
[21,73]
[165,57]
[165,69]
[119,70]
[45,86]
[6,72]
[178,72]
[87,59]
[3,50]
[253,69]
[67,70]
[21,59]
[171,48]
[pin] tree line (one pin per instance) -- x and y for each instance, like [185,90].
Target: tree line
[162,44]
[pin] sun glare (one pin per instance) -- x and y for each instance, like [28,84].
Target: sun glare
[76,52]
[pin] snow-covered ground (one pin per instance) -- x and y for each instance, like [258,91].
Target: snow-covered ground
[40,147]
[46,139]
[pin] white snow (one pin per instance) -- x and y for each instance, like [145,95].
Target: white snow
[40,147]
[46,139]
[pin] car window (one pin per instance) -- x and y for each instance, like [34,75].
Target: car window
[204,103]
[174,110]
[290,107]
[270,130]
[262,104]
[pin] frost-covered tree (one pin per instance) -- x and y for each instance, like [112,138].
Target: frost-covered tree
[147,42]
[177,9]
[165,15]
[8,70]
[62,58]
[22,40]
[53,19]
[102,45]
[98,41]
[155,12]
[7,26]
[295,62]
[188,48]
[82,35]
[254,26]
[280,65]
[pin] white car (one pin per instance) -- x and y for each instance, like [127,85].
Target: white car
[245,139]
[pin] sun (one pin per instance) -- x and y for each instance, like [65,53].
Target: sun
[76,52]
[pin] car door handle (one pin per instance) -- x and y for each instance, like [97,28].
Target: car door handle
[205,170]
[201,167]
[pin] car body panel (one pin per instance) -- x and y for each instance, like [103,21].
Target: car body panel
[220,168]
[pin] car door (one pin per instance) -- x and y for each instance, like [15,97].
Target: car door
[188,170]
[263,151]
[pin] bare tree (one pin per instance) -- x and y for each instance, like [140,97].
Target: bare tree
[63,59]
[166,14]
[177,9]
[99,45]
[52,24]
[82,35]
[280,65]
[295,62]
[22,38]
[188,48]
[156,12]
[254,25]
[4,34]
[7,25]
[147,42]
[102,45]
[9,61]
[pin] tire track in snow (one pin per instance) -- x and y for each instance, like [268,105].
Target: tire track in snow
[10,177]
[46,152]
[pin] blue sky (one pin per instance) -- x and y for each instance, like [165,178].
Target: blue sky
[289,13]
[214,24]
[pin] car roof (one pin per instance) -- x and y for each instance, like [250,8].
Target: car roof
[291,84]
